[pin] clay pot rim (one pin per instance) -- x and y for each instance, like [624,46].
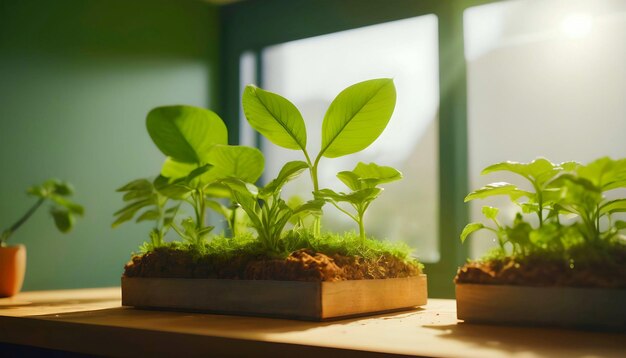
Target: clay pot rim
[13,247]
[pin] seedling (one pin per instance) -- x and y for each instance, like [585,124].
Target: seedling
[564,189]
[363,182]
[63,209]
[355,118]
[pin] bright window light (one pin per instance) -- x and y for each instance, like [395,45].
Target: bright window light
[577,25]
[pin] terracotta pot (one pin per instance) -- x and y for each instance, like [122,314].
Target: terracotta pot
[12,269]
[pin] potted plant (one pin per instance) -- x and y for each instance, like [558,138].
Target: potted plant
[286,266]
[561,260]
[13,258]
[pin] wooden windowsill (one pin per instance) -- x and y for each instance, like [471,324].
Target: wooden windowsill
[92,321]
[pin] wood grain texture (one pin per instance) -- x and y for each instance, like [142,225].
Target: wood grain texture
[290,299]
[100,326]
[556,306]
[347,298]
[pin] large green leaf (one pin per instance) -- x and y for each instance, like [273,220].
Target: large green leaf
[500,188]
[274,117]
[288,172]
[357,116]
[186,133]
[244,163]
[174,169]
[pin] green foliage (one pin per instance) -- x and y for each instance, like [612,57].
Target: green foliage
[63,210]
[201,171]
[561,191]
[185,133]
[267,211]
[363,181]
[198,157]
[353,121]
[146,203]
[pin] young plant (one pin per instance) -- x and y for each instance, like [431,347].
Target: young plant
[141,194]
[63,210]
[583,193]
[567,188]
[198,157]
[355,118]
[268,212]
[363,180]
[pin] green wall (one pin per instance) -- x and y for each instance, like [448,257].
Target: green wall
[77,78]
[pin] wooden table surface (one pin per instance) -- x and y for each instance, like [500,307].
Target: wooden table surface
[92,321]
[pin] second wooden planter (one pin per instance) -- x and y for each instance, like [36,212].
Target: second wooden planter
[287,299]
[594,308]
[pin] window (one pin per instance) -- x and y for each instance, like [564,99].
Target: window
[311,72]
[545,78]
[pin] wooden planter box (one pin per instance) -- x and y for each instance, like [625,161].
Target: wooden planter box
[287,299]
[594,308]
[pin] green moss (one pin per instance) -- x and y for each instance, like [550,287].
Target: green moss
[246,245]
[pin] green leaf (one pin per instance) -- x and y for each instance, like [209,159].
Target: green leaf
[138,184]
[177,189]
[539,170]
[620,225]
[605,173]
[313,207]
[63,220]
[274,117]
[62,188]
[186,133]
[500,188]
[469,229]
[614,206]
[239,186]
[136,206]
[490,212]
[136,194]
[368,176]
[68,204]
[357,116]
[351,180]
[356,197]
[217,190]
[174,170]
[149,215]
[288,172]
[219,208]
[244,163]
[528,208]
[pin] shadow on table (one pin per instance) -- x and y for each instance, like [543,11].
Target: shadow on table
[541,340]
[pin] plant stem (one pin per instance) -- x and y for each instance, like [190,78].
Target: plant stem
[7,233]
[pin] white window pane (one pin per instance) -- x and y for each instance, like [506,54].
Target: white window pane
[311,72]
[545,78]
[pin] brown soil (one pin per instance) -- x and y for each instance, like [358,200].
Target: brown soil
[301,265]
[544,273]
